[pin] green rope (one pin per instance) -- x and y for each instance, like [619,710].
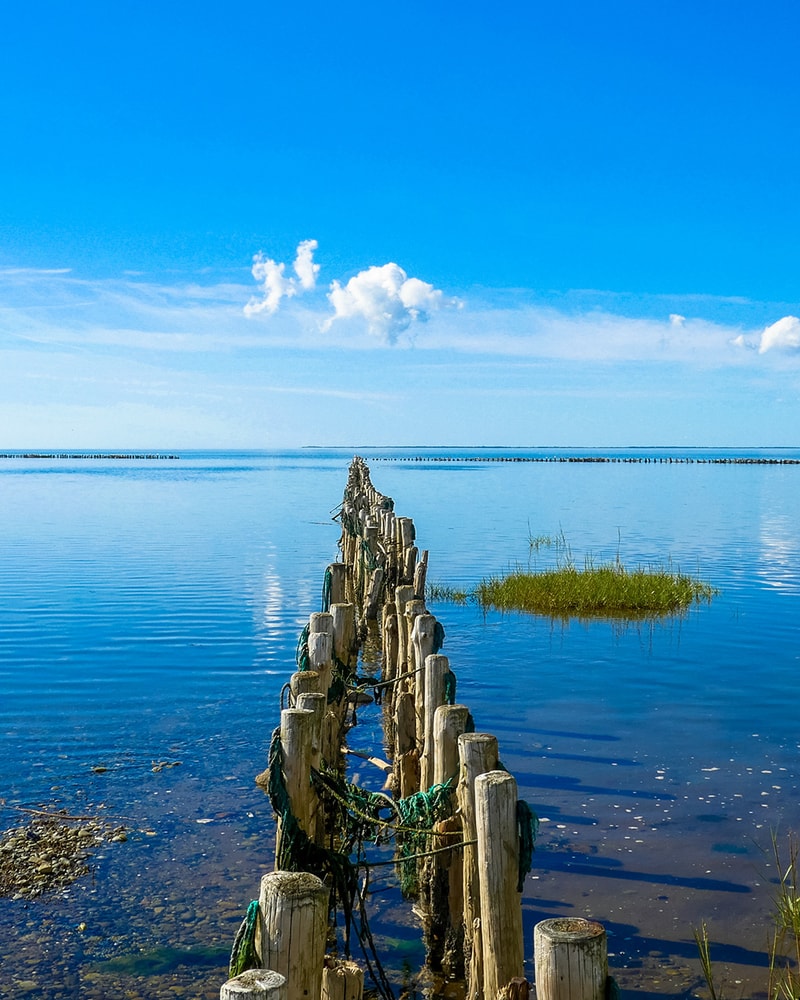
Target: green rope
[368,558]
[438,636]
[244,955]
[302,654]
[298,853]
[527,828]
[418,815]
[327,584]
[450,687]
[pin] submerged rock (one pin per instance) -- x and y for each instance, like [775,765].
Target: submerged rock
[50,851]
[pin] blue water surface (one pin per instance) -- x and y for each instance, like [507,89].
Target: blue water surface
[149,612]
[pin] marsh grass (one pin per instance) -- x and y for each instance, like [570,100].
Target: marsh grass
[609,590]
[606,591]
[784,957]
[784,948]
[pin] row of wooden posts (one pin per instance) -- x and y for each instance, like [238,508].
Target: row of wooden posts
[468,879]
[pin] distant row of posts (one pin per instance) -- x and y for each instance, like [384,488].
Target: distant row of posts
[468,879]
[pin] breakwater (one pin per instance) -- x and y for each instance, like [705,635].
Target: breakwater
[447,818]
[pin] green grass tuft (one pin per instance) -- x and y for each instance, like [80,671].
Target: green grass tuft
[604,591]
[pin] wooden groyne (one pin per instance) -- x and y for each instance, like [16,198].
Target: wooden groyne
[445,814]
[599,459]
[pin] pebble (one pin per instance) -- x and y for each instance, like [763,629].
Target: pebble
[48,852]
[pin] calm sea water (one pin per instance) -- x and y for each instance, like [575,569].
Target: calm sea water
[149,612]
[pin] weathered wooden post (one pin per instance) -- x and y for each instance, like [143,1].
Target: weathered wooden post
[449,723]
[255,984]
[296,742]
[498,867]
[477,754]
[402,595]
[320,647]
[294,920]
[344,630]
[342,980]
[406,757]
[302,682]
[433,681]
[423,636]
[571,959]
[320,656]
[406,550]
[420,575]
[338,587]
[316,703]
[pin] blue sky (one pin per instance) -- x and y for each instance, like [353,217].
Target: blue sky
[364,224]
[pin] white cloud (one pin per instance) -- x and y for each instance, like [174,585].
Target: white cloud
[386,299]
[304,267]
[783,336]
[275,286]
[675,319]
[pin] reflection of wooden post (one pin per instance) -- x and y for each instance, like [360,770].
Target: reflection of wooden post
[342,980]
[255,984]
[477,753]
[571,959]
[498,865]
[294,915]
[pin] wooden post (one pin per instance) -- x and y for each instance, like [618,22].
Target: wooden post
[255,984]
[449,722]
[406,757]
[498,865]
[296,740]
[477,754]
[338,572]
[374,593]
[571,959]
[437,667]
[344,628]
[320,647]
[420,575]
[294,915]
[316,703]
[342,980]
[302,682]
[402,595]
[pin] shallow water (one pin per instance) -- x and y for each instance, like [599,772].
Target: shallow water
[149,613]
